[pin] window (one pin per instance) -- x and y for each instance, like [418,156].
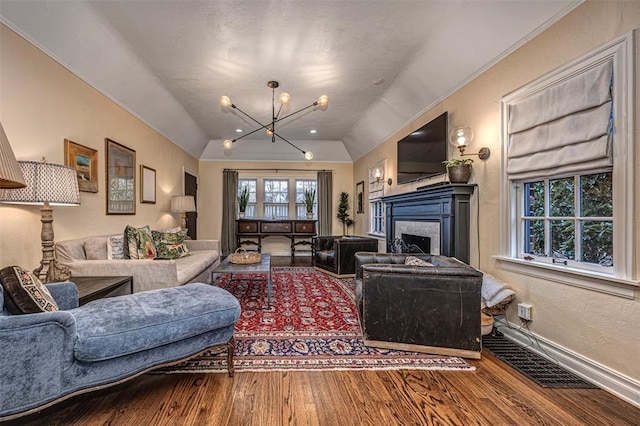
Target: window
[252,185]
[276,198]
[568,181]
[568,221]
[303,185]
[377,217]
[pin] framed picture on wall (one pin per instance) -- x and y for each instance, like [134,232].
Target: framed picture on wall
[147,184]
[120,178]
[84,161]
[360,197]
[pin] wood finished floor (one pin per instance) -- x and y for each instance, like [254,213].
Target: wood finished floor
[494,394]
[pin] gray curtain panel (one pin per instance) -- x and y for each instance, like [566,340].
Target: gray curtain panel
[564,128]
[229,208]
[325,205]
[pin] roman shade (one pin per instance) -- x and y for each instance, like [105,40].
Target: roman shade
[563,129]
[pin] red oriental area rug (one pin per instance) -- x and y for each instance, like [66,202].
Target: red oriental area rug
[312,325]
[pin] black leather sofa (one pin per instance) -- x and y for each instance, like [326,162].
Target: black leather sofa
[434,309]
[335,254]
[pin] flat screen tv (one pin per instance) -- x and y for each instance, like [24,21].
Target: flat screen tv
[420,154]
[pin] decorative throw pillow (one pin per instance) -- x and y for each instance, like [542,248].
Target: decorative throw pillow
[170,245]
[131,241]
[115,247]
[24,293]
[415,261]
[140,242]
[95,248]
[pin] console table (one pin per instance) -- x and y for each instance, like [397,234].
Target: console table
[252,231]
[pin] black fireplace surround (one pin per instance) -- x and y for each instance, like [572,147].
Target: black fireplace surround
[447,204]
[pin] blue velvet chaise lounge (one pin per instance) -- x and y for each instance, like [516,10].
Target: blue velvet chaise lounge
[50,356]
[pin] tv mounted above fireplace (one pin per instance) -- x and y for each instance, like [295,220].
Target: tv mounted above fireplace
[420,154]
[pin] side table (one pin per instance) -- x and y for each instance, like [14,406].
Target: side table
[93,288]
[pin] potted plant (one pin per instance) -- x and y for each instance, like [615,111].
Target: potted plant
[243,199]
[458,169]
[343,213]
[309,200]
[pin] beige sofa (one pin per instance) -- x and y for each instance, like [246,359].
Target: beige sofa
[147,274]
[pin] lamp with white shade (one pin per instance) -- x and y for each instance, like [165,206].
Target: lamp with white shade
[47,184]
[183,204]
[10,173]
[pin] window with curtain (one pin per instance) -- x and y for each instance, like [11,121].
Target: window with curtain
[301,186]
[567,145]
[252,185]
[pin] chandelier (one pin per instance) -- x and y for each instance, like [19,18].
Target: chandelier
[285,98]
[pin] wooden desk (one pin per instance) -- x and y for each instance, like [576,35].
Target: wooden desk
[93,288]
[252,231]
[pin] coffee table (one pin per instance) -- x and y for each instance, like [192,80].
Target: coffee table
[264,267]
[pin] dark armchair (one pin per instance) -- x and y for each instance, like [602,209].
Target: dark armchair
[434,309]
[335,254]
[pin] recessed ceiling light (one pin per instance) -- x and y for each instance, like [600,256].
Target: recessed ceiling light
[378,81]
[239,130]
[313,131]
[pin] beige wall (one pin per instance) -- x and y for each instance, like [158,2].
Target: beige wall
[210,193]
[597,326]
[42,103]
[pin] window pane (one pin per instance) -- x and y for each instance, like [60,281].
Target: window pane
[561,197]
[597,193]
[276,191]
[597,243]
[535,201]
[534,237]
[563,239]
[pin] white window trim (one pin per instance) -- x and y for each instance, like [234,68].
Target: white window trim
[623,281]
[383,233]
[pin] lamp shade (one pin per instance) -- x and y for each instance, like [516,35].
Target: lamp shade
[46,183]
[183,203]
[10,173]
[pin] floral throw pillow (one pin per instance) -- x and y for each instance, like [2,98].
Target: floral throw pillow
[140,242]
[170,245]
[24,292]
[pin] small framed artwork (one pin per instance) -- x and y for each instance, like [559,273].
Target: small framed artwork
[84,161]
[147,184]
[120,178]
[360,197]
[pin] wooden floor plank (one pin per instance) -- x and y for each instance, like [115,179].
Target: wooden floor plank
[495,394]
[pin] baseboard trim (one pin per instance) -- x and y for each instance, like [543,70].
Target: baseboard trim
[610,380]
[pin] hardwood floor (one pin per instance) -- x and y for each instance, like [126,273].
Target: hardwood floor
[494,394]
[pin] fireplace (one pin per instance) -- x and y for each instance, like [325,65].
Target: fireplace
[416,243]
[438,212]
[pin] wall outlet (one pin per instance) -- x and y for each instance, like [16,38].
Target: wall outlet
[524,311]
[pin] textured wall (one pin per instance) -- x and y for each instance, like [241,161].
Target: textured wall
[42,104]
[597,326]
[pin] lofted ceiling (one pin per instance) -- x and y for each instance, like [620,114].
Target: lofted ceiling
[381,62]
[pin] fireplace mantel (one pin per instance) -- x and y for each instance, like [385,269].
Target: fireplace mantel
[448,204]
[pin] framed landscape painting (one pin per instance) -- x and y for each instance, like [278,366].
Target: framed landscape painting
[84,161]
[120,178]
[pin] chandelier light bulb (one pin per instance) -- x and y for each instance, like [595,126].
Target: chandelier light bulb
[225,101]
[323,100]
[308,155]
[285,98]
[269,131]
[227,144]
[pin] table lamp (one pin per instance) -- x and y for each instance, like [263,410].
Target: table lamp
[47,184]
[183,204]
[10,173]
